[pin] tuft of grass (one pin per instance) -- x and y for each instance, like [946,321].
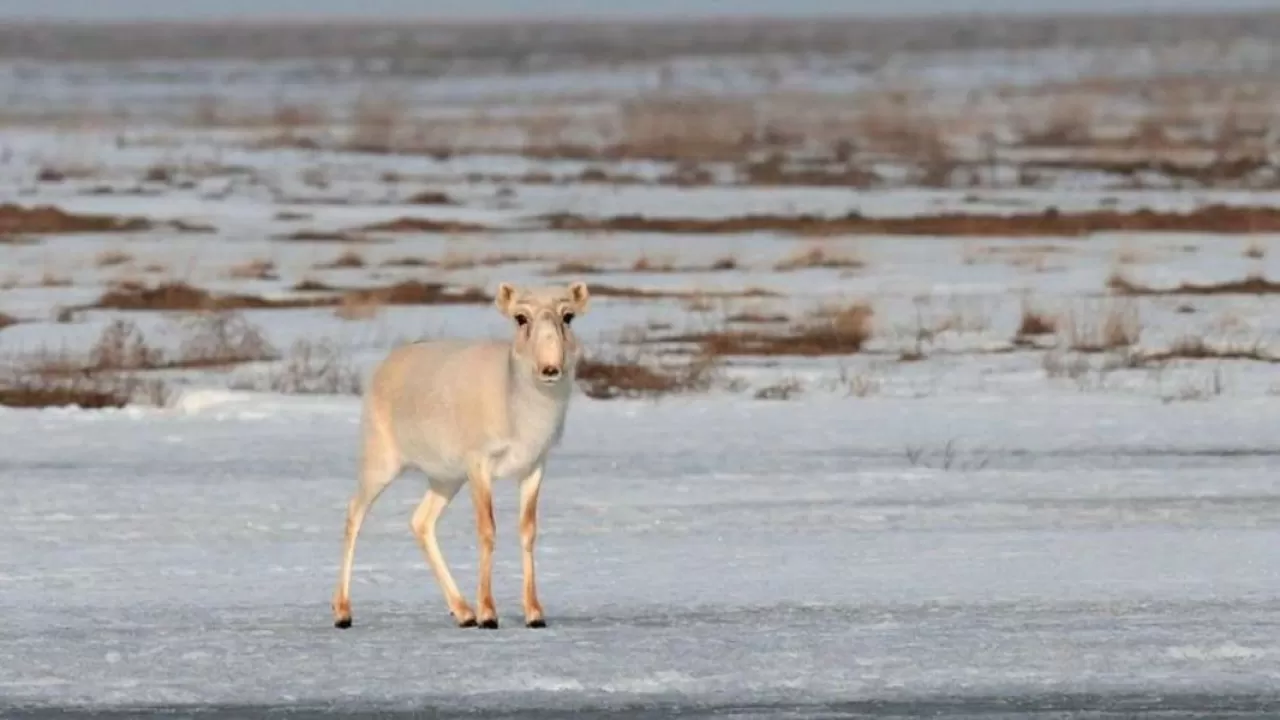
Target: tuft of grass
[815,256]
[422,225]
[1112,325]
[1254,284]
[310,367]
[1034,323]
[781,390]
[112,258]
[349,259]
[408,261]
[635,376]
[47,219]
[257,269]
[842,331]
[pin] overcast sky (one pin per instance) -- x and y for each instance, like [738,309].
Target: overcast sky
[382,9]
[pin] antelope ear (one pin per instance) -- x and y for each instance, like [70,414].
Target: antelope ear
[506,293]
[578,291]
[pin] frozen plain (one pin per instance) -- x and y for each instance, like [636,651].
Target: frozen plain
[973,540]
[712,556]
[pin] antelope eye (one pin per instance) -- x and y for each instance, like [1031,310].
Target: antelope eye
[522,319]
[568,318]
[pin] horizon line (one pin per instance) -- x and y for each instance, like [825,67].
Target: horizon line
[645,18]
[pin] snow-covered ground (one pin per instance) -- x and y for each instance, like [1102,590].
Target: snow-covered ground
[692,551]
[953,521]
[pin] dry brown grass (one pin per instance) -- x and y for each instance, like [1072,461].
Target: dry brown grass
[1121,284]
[309,367]
[1034,323]
[112,258]
[576,267]
[453,261]
[178,296]
[1113,324]
[338,236]
[613,291]
[1195,347]
[816,256]
[634,375]
[256,269]
[408,262]
[116,369]
[348,260]
[1212,218]
[119,369]
[47,219]
[430,197]
[755,317]
[423,225]
[357,308]
[839,331]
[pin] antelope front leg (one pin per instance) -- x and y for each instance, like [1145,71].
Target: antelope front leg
[482,499]
[424,528]
[529,487]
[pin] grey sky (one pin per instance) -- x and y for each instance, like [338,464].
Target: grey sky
[91,10]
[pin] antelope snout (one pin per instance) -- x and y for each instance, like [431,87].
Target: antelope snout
[550,372]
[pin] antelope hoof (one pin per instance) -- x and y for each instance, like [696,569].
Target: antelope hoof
[342,623]
[536,623]
[468,623]
[489,623]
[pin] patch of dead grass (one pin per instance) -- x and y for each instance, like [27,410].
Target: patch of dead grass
[1034,323]
[112,258]
[637,376]
[816,256]
[1114,324]
[1220,219]
[423,225]
[612,291]
[407,261]
[47,220]
[179,296]
[310,367]
[1255,284]
[839,331]
[348,260]
[337,236]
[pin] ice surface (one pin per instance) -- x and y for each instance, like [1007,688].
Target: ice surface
[713,551]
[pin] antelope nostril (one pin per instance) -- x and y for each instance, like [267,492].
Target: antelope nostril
[550,371]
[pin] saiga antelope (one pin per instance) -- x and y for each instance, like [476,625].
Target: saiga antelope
[470,413]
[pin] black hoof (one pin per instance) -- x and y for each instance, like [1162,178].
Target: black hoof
[490,624]
[342,624]
[539,623]
[468,623]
